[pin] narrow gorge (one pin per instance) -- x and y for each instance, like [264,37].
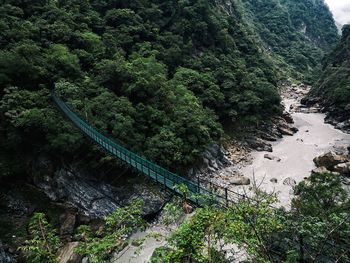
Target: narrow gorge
[227,122]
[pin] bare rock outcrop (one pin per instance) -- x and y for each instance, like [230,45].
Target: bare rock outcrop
[96,198]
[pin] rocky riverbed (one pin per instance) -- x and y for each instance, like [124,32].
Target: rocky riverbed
[290,159]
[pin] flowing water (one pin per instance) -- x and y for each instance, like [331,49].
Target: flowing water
[296,153]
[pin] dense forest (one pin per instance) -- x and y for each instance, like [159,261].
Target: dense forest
[132,69]
[167,79]
[135,70]
[332,89]
[296,33]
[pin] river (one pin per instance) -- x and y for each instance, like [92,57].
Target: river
[296,153]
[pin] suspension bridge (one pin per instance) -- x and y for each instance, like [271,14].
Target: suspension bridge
[197,189]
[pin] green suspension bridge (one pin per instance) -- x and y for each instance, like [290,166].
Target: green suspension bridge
[168,179]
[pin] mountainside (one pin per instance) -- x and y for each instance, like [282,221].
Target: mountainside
[134,70]
[191,85]
[333,88]
[296,33]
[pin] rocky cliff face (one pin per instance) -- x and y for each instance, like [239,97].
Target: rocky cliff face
[94,198]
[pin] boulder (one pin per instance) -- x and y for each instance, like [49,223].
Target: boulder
[274,180]
[343,125]
[286,131]
[259,145]
[320,170]
[153,199]
[5,256]
[91,198]
[213,159]
[346,181]
[240,180]
[289,181]
[67,254]
[314,110]
[268,137]
[329,160]
[288,117]
[342,168]
[271,157]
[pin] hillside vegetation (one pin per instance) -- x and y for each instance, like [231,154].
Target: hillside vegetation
[296,33]
[136,69]
[333,86]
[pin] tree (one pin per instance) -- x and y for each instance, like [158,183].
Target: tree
[121,223]
[44,242]
[319,222]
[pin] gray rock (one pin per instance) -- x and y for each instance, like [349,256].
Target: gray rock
[268,137]
[93,199]
[286,131]
[67,225]
[346,181]
[213,159]
[314,110]
[240,180]
[342,168]
[288,117]
[289,181]
[343,125]
[5,256]
[96,199]
[259,144]
[320,170]
[154,199]
[272,157]
[67,254]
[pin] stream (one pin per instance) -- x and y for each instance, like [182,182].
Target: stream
[296,153]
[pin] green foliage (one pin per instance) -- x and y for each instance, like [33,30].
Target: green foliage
[160,77]
[319,221]
[298,33]
[202,238]
[333,86]
[172,213]
[203,85]
[44,242]
[112,236]
[315,229]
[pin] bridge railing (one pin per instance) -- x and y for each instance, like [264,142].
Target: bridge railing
[152,170]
